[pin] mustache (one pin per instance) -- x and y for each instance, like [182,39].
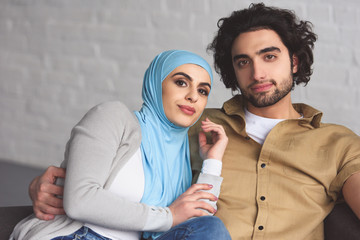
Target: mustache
[262,82]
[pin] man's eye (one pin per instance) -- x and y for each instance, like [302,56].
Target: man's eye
[242,63]
[270,57]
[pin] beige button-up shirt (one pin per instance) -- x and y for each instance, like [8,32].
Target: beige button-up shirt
[284,188]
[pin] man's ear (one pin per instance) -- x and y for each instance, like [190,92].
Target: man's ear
[295,63]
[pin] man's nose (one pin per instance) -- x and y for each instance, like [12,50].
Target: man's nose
[258,71]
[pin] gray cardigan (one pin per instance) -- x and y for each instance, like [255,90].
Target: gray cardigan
[99,146]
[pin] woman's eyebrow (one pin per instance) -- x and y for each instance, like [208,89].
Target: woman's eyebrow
[182,74]
[190,79]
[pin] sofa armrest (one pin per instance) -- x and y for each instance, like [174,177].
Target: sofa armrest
[10,216]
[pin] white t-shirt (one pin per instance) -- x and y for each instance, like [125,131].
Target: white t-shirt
[259,127]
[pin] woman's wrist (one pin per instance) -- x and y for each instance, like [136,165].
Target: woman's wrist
[212,166]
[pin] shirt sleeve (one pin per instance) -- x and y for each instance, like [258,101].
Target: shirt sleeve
[347,152]
[210,174]
[99,139]
[215,181]
[212,166]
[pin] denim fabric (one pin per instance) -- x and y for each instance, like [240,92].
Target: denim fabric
[83,233]
[200,228]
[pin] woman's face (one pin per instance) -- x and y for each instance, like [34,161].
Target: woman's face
[185,93]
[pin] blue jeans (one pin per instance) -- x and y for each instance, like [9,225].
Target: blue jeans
[200,228]
[83,233]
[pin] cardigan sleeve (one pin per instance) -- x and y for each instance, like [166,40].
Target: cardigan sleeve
[106,136]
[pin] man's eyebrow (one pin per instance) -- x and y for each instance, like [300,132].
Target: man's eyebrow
[268,49]
[236,57]
[265,50]
[190,79]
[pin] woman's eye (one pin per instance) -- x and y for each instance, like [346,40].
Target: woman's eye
[203,92]
[180,83]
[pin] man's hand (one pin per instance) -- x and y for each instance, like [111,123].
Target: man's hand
[216,149]
[187,205]
[43,193]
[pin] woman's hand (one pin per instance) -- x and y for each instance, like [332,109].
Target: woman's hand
[43,193]
[216,149]
[187,205]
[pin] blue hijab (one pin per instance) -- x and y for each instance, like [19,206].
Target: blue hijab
[164,146]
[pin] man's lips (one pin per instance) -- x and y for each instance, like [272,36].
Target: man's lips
[187,109]
[261,87]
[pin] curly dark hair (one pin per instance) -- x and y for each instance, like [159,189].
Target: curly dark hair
[296,35]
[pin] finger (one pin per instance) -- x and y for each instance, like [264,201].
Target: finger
[55,190]
[42,216]
[213,127]
[202,195]
[53,202]
[53,172]
[197,187]
[50,210]
[202,139]
[204,206]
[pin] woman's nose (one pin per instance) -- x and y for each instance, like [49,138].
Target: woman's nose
[192,95]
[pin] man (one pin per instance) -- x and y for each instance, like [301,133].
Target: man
[283,169]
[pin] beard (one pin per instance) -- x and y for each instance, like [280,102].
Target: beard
[266,99]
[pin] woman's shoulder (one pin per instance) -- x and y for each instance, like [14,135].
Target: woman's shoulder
[111,113]
[111,109]
[110,106]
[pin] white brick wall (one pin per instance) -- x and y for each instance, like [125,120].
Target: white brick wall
[58,58]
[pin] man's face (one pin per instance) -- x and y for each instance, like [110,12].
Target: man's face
[262,67]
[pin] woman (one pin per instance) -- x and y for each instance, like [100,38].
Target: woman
[123,171]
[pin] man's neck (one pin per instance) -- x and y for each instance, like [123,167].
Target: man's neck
[280,110]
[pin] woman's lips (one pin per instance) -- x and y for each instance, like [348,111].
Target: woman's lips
[187,109]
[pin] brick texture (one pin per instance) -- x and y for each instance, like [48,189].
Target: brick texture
[60,58]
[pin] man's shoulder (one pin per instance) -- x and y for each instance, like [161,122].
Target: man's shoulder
[213,111]
[338,129]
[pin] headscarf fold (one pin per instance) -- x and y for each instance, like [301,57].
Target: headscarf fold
[164,145]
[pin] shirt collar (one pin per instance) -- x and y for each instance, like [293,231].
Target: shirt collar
[312,116]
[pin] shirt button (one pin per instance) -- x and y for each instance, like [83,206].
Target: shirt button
[262,198]
[261,228]
[247,138]
[263,165]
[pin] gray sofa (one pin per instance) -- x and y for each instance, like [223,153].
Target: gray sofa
[341,224]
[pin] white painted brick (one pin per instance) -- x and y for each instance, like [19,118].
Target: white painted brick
[12,80]
[354,79]
[346,15]
[60,58]
[182,6]
[349,37]
[328,34]
[334,53]
[122,17]
[319,13]
[61,63]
